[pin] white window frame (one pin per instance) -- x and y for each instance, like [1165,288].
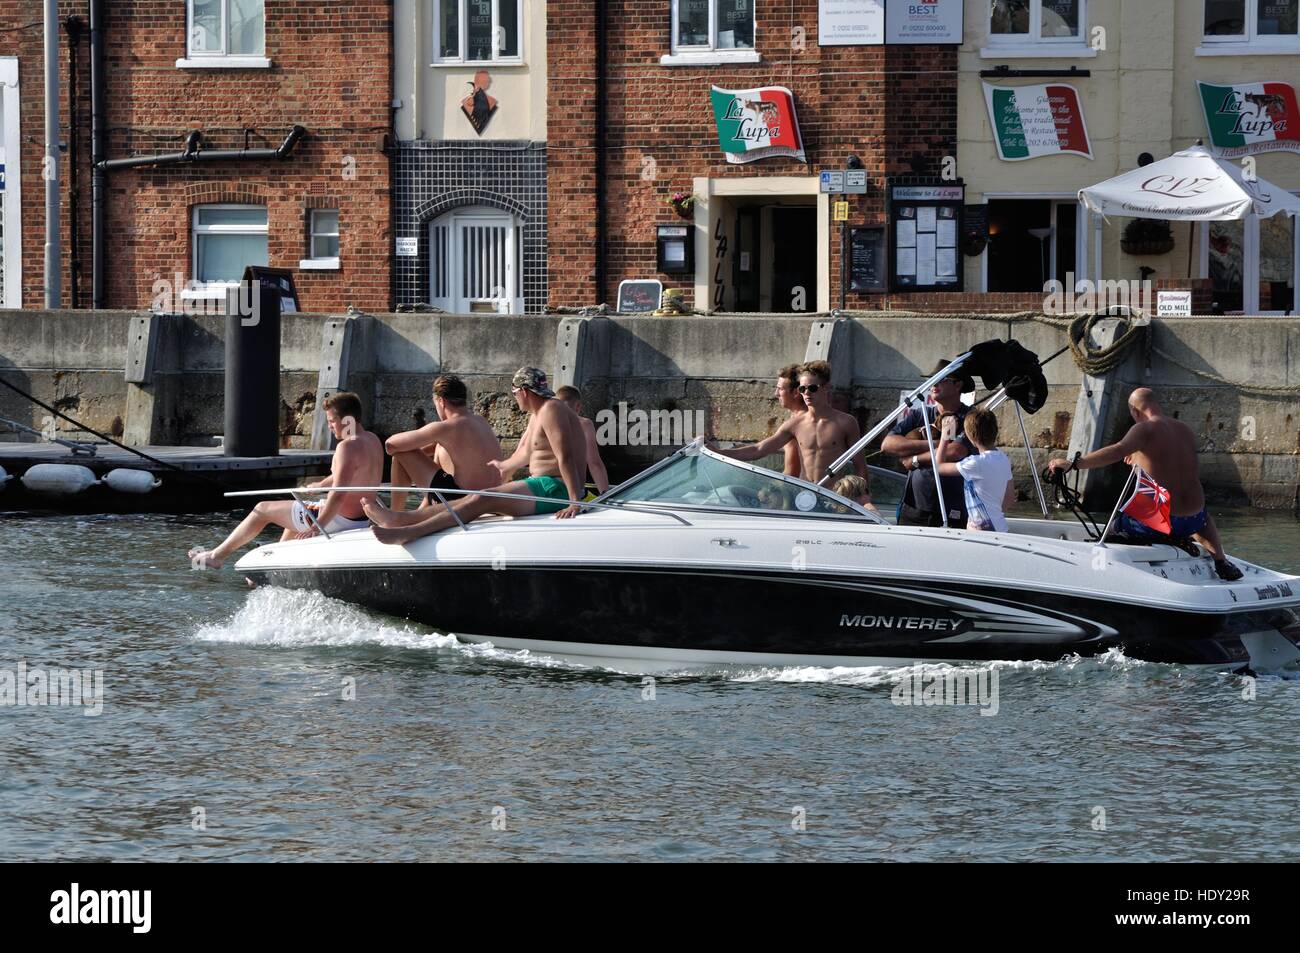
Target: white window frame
[207,59]
[696,55]
[480,215]
[1033,44]
[11,199]
[217,289]
[1251,42]
[312,262]
[463,24]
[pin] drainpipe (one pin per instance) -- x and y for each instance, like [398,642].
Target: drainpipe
[98,150]
[50,172]
[74,27]
[600,151]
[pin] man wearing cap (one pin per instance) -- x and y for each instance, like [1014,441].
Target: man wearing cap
[553,448]
[920,498]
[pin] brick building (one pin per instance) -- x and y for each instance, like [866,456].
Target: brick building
[760,232]
[242,74]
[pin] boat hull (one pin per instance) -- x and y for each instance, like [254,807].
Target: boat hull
[692,617]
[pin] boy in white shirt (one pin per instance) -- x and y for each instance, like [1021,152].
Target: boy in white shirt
[987,474]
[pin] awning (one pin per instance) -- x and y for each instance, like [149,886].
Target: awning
[1188,186]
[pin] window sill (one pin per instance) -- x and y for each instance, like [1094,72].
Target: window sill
[476,64]
[1248,49]
[710,58]
[1038,51]
[318,264]
[207,293]
[224,62]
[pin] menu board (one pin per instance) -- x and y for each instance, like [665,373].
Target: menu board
[926,236]
[639,296]
[867,259]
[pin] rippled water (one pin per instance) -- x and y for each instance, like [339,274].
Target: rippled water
[226,706]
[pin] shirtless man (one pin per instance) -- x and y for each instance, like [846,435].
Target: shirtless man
[452,453]
[787,395]
[1166,449]
[595,466]
[358,461]
[554,449]
[821,432]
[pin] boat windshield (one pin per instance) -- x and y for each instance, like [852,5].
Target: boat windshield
[698,477]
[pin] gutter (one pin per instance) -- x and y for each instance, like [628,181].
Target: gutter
[192,153]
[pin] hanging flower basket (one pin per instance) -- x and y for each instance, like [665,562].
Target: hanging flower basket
[683,203]
[1145,236]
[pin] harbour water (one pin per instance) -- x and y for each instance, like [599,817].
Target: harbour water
[274,725]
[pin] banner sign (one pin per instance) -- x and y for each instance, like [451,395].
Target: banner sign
[1033,121]
[923,21]
[1249,118]
[757,123]
[851,22]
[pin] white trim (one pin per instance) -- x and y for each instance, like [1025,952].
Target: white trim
[1041,50]
[1035,39]
[225,62]
[223,54]
[196,229]
[703,58]
[11,199]
[1252,48]
[318,264]
[709,54]
[462,38]
[212,291]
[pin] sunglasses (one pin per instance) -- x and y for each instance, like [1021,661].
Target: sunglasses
[809,388]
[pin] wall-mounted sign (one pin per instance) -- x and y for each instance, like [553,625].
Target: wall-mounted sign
[1250,118]
[867,259]
[841,212]
[408,248]
[924,21]
[927,193]
[851,22]
[756,123]
[924,237]
[639,296]
[1173,304]
[1033,121]
[832,182]
[478,106]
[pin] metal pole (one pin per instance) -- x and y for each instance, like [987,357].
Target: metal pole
[1118,503]
[50,168]
[1033,467]
[844,263]
[934,463]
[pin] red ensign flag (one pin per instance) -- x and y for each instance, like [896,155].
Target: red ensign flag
[1149,504]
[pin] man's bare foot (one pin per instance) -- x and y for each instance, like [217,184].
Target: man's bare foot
[204,559]
[396,535]
[381,515]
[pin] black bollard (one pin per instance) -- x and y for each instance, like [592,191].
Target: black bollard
[253,371]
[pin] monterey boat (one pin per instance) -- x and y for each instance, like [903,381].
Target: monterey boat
[702,560]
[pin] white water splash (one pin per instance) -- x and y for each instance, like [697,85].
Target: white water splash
[296,618]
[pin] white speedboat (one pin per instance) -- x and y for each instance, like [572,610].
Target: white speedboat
[704,560]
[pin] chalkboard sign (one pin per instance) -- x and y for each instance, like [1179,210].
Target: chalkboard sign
[639,296]
[867,259]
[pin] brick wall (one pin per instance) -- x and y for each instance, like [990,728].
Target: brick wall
[330,73]
[895,107]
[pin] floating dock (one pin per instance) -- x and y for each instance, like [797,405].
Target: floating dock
[194,482]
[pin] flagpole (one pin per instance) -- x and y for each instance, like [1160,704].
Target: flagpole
[1118,503]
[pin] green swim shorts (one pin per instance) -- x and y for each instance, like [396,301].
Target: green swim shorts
[548,487]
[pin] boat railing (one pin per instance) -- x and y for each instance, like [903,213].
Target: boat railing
[298,491]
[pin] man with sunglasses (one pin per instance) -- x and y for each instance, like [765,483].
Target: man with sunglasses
[920,498]
[821,432]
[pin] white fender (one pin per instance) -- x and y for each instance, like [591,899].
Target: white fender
[132,481]
[59,478]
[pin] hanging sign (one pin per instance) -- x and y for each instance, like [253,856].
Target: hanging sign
[924,21]
[1250,118]
[1033,121]
[756,123]
[851,22]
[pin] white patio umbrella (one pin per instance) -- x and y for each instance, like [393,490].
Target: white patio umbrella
[1191,186]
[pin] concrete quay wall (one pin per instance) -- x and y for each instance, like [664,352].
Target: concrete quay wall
[719,367]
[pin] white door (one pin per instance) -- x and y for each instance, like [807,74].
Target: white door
[474,262]
[11,292]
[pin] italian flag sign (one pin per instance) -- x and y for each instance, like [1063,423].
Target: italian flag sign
[756,123]
[1250,118]
[1033,121]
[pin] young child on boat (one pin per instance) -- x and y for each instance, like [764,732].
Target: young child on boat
[986,474]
